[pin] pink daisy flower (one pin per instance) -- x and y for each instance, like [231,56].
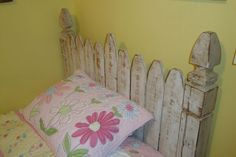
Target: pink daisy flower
[92,84]
[128,110]
[58,90]
[100,127]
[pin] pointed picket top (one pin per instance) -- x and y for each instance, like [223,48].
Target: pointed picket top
[123,74]
[206,51]
[138,80]
[155,87]
[171,116]
[89,55]
[111,62]
[154,103]
[65,19]
[138,86]
[99,64]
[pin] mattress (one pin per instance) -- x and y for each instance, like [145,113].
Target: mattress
[19,139]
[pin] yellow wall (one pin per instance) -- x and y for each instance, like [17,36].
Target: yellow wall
[166,30]
[163,29]
[29,50]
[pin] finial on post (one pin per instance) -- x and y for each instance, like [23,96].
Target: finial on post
[68,43]
[65,19]
[205,54]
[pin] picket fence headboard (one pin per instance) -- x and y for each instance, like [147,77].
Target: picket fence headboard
[182,109]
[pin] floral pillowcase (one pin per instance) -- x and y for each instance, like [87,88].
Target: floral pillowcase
[78,118]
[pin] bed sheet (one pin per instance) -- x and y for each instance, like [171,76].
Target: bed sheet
[18,139]
[132,147]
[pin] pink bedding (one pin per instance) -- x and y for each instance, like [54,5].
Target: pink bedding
[129,148]
[132,147]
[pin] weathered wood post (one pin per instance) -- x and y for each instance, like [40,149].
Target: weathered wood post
[68,43]
[200,97]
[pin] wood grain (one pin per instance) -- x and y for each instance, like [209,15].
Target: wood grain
[99,64]
[182,111]
[110,62]
[138,86]
[89,55]
[123,75]
[154,103]
[80,49]
[172,109]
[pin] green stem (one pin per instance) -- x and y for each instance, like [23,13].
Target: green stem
[69,95]
[50,121]
[73,149]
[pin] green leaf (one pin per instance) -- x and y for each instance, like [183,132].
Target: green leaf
[67,80]
[117,114]
[95,101]
[67,143]
[50,131]
[34,112]
[114,109]
[78,153]
[77,89]
[42,126]
[133,151]
[47,131]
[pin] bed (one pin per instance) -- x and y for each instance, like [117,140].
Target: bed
[107,106]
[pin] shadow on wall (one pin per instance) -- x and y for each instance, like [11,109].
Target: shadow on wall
[5,1]
[205,1]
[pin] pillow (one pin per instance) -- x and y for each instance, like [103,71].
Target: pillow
[79,118]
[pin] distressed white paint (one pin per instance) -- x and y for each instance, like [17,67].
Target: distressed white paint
[89,55]
[123,74]
[99,64]
[110,62]
[204,135]
[184,132]
[138,86]
[80,49]
[190,138]
[206,51]
[172,109]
